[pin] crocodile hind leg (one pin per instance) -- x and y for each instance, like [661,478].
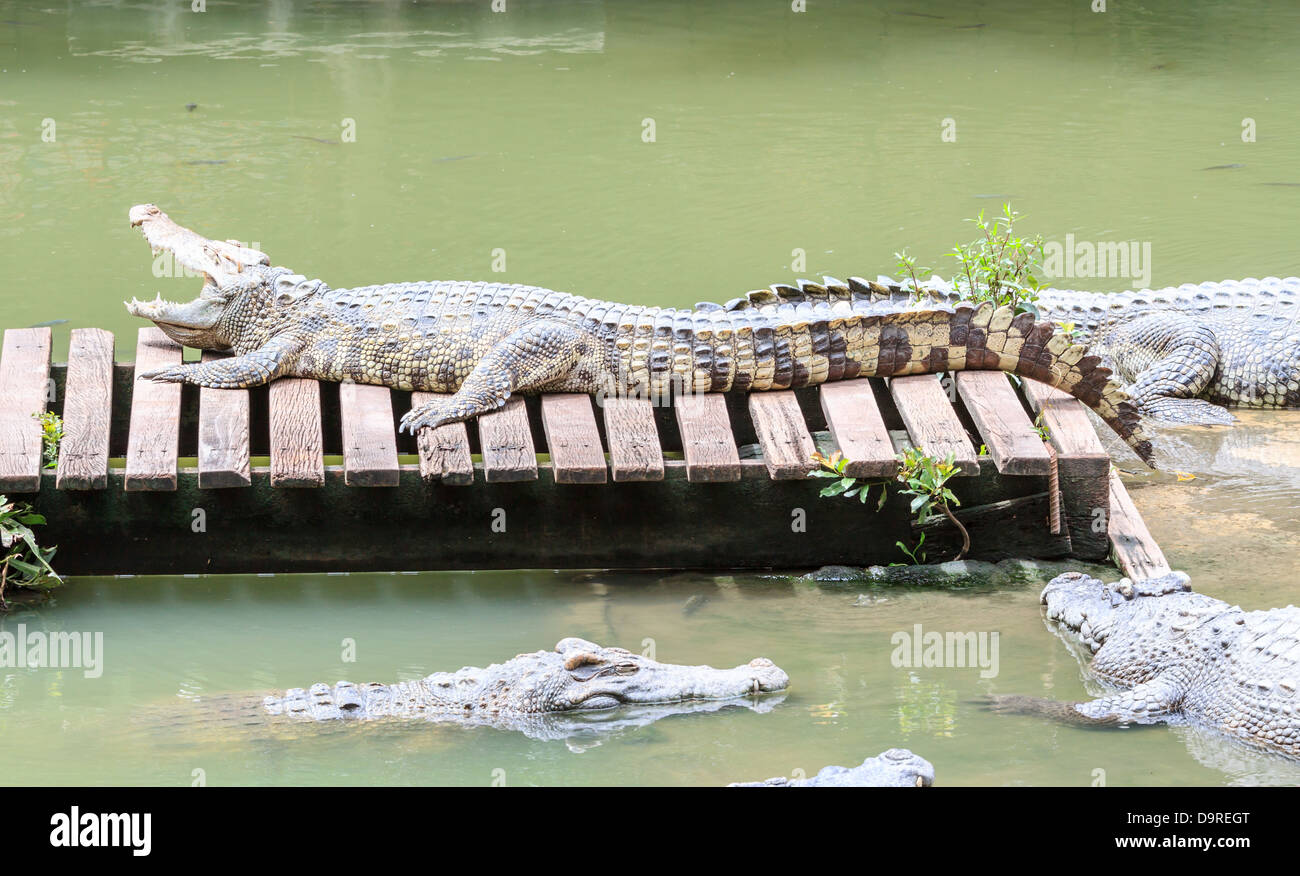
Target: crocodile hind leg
[238,372]
[1171,359]
[529,358]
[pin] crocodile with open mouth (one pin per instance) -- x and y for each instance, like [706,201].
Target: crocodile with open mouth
[484,342]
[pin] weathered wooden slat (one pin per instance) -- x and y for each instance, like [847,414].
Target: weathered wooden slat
[707,440]
[507,444]
[853,417]
[931,421]
[296,437]
[223,435]
[787,445]
[572,439]
[87,411]
[24,378]
[444,451]
[1083,464]
[369,439]
[635,453]
[155,417]
[1068,426]
[1136,552]
[1001,420]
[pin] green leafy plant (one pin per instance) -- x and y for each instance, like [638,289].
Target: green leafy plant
[845,485]
[51,435]
[907,265]
[922,476]
[916,553]
[25,563]
[1043,430]
[925,479]
[999,266]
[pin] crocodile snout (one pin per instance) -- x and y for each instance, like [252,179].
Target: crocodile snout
[767,676]
[141,212]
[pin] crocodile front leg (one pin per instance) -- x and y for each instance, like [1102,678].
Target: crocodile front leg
[1171,359]
[529,358]
[262,365]
[1147,703]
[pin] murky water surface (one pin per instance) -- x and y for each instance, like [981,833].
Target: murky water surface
[523,132]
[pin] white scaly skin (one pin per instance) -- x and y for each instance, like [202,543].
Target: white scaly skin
[895,768]
[1179,657]
[577,676]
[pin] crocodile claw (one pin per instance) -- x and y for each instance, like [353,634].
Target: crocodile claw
[171,374]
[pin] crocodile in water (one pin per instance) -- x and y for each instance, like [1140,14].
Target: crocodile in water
[1176,656]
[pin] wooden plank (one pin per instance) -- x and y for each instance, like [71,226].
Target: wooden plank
[1083,464]
[24,378]
[369,437]
[297,440]
[155,417]
[854,420]
[931,421]
[707,441]
[1008,433]
[572,439]
[635,453]
[87,411]
[507,444]
[1136,552]
[444,451]
[223,435]
[783,435]
[1068,425]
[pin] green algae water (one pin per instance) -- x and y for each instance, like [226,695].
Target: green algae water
[663,153]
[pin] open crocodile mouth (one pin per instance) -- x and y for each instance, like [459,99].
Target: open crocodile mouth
[219,262]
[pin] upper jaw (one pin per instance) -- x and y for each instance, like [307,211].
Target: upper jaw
[1080,603]
[217,259]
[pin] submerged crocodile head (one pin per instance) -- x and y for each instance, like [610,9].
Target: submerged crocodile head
[239,284]
[582,675]
[1095,610]
[578,677]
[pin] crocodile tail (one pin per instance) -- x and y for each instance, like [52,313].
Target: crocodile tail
[857,294]
[984,337]
[799,336]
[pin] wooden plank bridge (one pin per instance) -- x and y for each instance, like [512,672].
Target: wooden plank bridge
[157,478]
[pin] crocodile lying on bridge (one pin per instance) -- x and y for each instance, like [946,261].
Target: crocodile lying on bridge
[1184,352]
[487,341]
[895,768]
[1178,657]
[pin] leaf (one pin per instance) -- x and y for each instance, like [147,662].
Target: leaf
[26,568]
[884,494]
[32,519]
[918,502]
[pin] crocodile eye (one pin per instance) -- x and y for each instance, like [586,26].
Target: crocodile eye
[627,668]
